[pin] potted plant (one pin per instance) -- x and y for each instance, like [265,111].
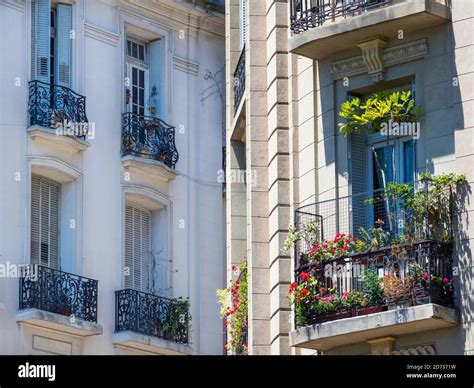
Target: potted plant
[374,294]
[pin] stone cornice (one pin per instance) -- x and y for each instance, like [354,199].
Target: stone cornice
[100,34]
[17,5]
[178,16]
[391,56]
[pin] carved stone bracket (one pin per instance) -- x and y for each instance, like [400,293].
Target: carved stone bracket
[375,58]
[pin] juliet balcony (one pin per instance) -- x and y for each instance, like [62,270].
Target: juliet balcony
[58,300]
[148,145]
[321,28]
[151,323]
[57,116]
[374,265]
[239,82]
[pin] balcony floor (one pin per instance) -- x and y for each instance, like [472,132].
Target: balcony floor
[147,343]
[57,322]
[332,37]
[328,335]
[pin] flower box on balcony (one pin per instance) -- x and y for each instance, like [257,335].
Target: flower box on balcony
[368,310]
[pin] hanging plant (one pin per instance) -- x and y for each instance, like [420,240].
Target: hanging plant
[234,310]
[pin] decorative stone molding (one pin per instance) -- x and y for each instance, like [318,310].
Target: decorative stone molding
[382,346]
[151,168]
[376,59]
[405,52]
[49,136]
[372,52]
[348,67]
[17,5]
[101,35]
[185,66]
[422,350]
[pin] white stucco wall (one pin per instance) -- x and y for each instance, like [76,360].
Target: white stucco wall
[195,197]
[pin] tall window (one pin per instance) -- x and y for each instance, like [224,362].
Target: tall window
[243,22]
[144,70]
[138,256]
[51,42]
[45,222]
[138,76]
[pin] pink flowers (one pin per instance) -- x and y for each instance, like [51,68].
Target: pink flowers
[426,276]
[341,245]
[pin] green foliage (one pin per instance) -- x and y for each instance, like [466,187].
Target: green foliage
[374,238]
[380,107]
[178,317]
[309,234]
[373,287]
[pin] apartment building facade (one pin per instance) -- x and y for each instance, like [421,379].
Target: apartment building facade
[111,216]
[290,67]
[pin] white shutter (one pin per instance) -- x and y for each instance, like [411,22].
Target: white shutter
[40,39]
[243,23]
[358,182]
[155,57]
[137,247]
[64,45]
[45,205]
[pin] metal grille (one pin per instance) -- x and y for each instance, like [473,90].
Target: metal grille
[152,315]
[60,292]
[149,137]
[305,14]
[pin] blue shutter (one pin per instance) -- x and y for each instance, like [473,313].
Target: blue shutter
[156,59]
[40,39]
[64,45]
[358,182]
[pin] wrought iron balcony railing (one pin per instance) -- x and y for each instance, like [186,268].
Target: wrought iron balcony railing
[305,14]
[149,138]
[60,292]
[57,107]
[239,81]
[404,232]
[410,274]
[152,315]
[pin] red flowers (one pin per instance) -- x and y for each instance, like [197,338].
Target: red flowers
[304,276]
[304,291]
[293,286]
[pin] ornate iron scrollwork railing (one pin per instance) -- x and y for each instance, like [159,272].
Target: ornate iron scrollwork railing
[305,14]
[150,138]
[149,314]
[61,293]
[239,81]
[57,107]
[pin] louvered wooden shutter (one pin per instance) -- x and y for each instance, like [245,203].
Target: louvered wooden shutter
[137,247]
[40,39]
[243,23]
[155,58]
[45,218]
[358,182]
[64,44]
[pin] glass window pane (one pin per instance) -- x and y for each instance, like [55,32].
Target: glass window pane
[142,79]
[141,97]
[134,50]
[134,76]
[129,49]
[141,53]
[134,95]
